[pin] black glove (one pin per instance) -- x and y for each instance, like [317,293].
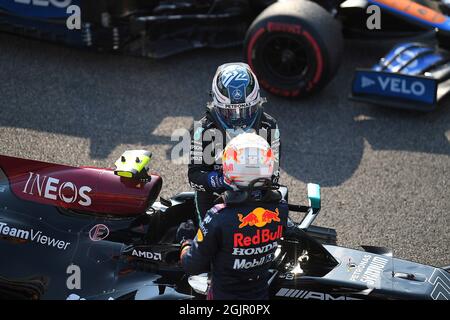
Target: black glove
[185,231]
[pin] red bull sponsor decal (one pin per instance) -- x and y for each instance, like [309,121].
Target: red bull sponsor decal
[259,217]
[261,237]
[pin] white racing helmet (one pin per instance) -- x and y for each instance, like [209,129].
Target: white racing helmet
[247,157]
[235,93]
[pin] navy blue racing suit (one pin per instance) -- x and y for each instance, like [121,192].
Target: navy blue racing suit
[237,243]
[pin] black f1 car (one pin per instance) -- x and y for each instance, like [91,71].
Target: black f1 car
[294,47]
[90,233]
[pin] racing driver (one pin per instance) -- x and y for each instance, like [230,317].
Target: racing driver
[238,238]
[236,107]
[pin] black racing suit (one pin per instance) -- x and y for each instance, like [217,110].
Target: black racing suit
[208,139]
[237,242]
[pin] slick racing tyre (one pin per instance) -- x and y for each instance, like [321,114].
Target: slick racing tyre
[294,47]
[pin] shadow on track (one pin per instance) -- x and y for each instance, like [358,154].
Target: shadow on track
[112,100]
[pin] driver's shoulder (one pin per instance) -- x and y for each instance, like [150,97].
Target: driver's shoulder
[268,121]
[215,211]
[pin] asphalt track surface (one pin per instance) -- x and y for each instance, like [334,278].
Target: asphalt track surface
[384,173]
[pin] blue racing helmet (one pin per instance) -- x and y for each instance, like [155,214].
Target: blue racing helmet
[236,97]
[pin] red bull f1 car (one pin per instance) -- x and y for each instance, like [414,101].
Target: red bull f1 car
[94,233]
[295,46]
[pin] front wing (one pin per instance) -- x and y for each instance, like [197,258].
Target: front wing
[399,90]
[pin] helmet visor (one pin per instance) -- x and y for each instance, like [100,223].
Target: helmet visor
[238,116]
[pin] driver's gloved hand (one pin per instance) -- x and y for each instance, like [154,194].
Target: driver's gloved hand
[215,180]
[186,231]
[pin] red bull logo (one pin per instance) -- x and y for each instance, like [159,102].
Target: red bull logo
[261,236]
[259,217]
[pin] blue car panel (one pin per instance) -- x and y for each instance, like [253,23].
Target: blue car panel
[394,85]
[40,9]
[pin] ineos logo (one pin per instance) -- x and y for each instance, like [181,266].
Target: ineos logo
[70,186]
[51,188]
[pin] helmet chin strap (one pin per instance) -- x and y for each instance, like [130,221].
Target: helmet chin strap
[219,118]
